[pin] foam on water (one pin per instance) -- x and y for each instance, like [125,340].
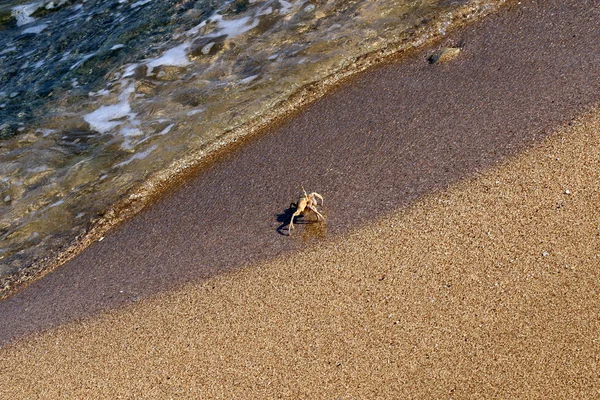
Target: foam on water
[234,27]
[137,156]
[23,13]
[83,59]
[175,57]
[248,79]
[105,118]
[166,130]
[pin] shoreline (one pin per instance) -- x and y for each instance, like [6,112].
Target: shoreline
[163,182]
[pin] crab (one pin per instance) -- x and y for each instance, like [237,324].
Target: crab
[306,201]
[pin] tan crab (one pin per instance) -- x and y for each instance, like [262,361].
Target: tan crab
[306,201]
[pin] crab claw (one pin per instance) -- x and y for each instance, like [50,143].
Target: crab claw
[318,196]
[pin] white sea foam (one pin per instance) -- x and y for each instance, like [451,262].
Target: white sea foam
[131,131]
[82,60]
[22,13]
[229,27]
[129,70]
[206,49]
[102,92]
[108,117]
[194,31]
[233,27]
[46,132]
[176,57]
[248,79]
[58,203]
[137,156]
[104,118]
[166,130]
[194,112]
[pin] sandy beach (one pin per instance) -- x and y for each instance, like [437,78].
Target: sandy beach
[460,258]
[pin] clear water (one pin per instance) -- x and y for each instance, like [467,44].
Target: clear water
[102,100]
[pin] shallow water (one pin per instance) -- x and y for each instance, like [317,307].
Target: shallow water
[98,98]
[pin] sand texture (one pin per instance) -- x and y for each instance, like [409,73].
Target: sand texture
[460,258]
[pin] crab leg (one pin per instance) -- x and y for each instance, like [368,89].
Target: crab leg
[302,203]
[316,212]
[298,212]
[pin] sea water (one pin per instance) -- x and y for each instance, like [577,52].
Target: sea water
[102,101]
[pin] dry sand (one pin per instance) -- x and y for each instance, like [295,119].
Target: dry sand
[486,290]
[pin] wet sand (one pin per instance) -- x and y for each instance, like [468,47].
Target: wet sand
[440,273]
